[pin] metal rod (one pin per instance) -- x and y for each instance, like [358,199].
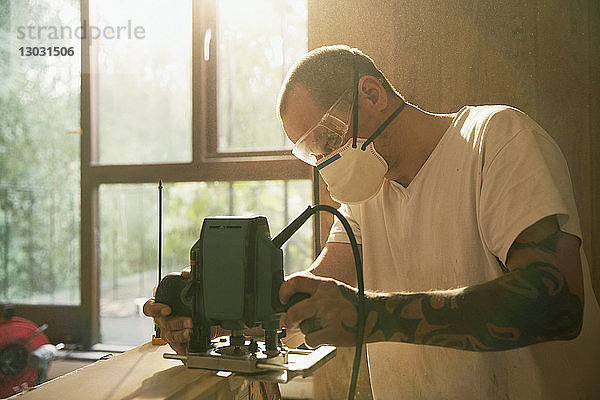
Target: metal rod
[170,356]
[299,351]
[39,330]
[160,195]
[277,367]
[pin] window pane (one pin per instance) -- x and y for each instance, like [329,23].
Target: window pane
[257,43]
[129,238]
[142,89]
[39,155]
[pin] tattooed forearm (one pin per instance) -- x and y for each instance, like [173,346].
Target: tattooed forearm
[529,305]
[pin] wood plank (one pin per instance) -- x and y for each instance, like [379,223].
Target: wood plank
[140,373]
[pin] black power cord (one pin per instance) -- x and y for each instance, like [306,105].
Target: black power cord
[289,230]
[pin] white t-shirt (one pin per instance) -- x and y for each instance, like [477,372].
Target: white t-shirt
[494,173]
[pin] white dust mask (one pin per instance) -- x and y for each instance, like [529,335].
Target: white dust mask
[353,175]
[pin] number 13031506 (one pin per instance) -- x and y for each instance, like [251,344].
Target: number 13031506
[52,51]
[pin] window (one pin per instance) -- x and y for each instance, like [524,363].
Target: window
[254,55]
[143,81]
[39,155]
[129,236]
[180,91]
[193,104]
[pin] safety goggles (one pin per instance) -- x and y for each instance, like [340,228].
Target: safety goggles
[328,135]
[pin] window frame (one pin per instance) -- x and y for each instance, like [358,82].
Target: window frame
[207,163]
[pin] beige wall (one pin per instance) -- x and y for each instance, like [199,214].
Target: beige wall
[542,57]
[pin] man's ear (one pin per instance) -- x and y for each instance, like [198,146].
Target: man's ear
[371,88]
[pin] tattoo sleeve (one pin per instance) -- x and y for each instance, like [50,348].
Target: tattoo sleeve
[528,305]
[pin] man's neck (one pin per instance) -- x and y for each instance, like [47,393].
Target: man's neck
[415,134]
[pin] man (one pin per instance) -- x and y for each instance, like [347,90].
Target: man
[469,234]
[478,287]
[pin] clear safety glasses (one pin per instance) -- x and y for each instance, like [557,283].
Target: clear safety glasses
[328,135]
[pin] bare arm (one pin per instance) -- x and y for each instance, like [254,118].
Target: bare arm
[540,299]
[336,262]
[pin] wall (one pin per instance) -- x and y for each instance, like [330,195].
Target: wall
[542,57]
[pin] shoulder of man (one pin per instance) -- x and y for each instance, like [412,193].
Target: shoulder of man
[498,125]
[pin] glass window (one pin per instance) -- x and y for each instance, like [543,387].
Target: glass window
[129,238]
[39,152]
[142,91]
[141,109]
[257,43]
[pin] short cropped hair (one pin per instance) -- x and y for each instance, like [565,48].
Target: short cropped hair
[326,72]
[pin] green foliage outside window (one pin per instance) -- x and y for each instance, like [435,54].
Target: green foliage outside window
[129,238]
[39,160]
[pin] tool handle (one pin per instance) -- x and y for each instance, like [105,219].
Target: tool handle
[172,291]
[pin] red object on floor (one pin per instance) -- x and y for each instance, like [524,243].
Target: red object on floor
[15,373]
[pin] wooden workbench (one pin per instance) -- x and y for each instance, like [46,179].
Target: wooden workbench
[142,373]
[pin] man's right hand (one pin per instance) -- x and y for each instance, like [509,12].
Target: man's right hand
[175,331]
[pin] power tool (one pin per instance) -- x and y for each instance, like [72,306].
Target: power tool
[236,272]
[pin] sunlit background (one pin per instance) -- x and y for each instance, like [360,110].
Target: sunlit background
[39,161]
[142,97]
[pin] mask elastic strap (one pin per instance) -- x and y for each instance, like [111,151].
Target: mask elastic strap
[382,126]
[355,108]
